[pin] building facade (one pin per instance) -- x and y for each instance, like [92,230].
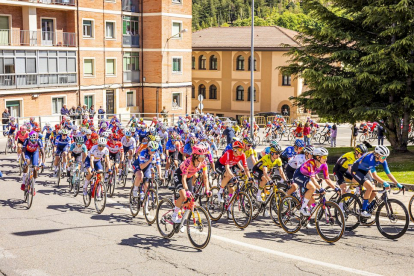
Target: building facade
[221,71]
[128,56]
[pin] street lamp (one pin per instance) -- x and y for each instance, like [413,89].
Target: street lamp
[168,39]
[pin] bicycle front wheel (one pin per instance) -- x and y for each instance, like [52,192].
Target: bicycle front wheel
[411,208]
[350,205]
[165,224]
[199,227]
[274,207]
[59,174]
[214,206]
[29,194]
[392,219]
[111,184]
[289,214]
[241,210]
[330,222]
[100,197]
[134,203]
[150,206]
[87,197]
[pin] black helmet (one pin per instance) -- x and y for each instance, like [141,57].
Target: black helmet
[361,148]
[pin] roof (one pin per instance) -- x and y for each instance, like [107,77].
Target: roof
[229,38]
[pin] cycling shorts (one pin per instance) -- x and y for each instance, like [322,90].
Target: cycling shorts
[33,157]
[60,150]
[77,157]
[257,173]
[220,168]
[146,171]
[178,181]
[341,174]
[359,175]
[97,164]
[11,131]
[126,149]
[289,171]
[19,142]
[115,156]
[47,136]
[301,180]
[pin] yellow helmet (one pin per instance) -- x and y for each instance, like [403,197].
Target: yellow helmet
[151,138]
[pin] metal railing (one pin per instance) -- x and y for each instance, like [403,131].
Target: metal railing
[130,40]
[131,76]
[14,81]
[37,38]
[52,2]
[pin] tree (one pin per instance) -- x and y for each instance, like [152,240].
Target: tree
[359,63]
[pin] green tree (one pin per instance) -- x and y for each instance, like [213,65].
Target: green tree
[359,63]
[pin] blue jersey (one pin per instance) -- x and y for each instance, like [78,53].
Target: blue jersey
[170,146]
[289,152]
[145,156]
[367,162]
[229,147]
[62,143]
[48,129]
[187,149]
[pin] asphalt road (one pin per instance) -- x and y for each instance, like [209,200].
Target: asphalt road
[58,236]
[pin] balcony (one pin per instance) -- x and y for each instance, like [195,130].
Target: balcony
[14,81]
[37,38]
[130,40]
[131,76]
[51,2]
[130,5]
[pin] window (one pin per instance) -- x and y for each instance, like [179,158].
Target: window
[130,25]
[202,90]
[213,92]
[88,28]
[249,95]
[88,100]
[213,63]
[176,100]
[286,80]
[176,1]
[88,67]
[285,110]
[240,63]
[193,62]
[240,93]
[193,92]
[255,64]
[131,61]
[110,67]
[202,62]
[57,104]
[176,29]
[177,62]
[130,98]
[110,30]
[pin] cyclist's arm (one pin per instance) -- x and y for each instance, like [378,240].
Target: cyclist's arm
[282,174]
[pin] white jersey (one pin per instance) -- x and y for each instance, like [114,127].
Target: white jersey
[98,154]
[129,143]
[163,136]
[297,161]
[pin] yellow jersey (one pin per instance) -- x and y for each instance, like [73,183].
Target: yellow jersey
[266,161]
[236,128]
[250,152]
[346,160]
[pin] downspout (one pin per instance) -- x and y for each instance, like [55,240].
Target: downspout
[104,53]
[78,41]
[142,56]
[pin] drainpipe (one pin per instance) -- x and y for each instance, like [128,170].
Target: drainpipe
[78,41]
[142,56]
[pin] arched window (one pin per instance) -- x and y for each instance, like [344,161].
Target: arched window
[202,63]
[249,95]
[213,92]
[193,62]
[202,90]
[240,63]
[255,64]
[239,93]
[213,62]
[193,92]
[285,110]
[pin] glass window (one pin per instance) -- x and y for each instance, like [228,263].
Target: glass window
[176,100]
[30,65]
[193,62]
[88,100]
[130,25]
[240,63]
[176,29]
[286,80]
[193,92]
[240,93]
[1,66]
[131,61]
[57,104]
[63,65]
[255,64]
[110,30]
[88,67]
[87,28]
[20,65]
[9,66]
[213,62]
[43,67]
[202,62]
[213,92]
[202,90]
[52,65]
[110,67]
[130,98]
[177,65]
[71,65]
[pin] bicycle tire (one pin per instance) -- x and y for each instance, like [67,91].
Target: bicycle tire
[150,202]
[111,184]
[134,203]
[403,216]
[243,204]
[351,206]
[322,139]
[165,210]
[274,207]
[411,208]
[59,174]
[100,197]
[214,207]
[288,208]
[20,166]
[125,177]
[201,224]
[76,188]
[336,217]
[30,195]
[251,191]
[362,138]
[87,197]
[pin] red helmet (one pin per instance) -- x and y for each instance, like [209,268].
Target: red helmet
[37,129]
[238,144]
[23,128]
[94,136]
[57,126]
[200,150]
[36,124]
[115,136]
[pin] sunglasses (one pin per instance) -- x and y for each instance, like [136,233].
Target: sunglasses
[238,149]
[100,146]
[153,149]
[324,157]
[383,157]
[249,146]
[79,144]
[274,153]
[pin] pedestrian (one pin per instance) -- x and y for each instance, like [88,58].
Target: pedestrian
[306,134]
[334,133]
[380,135]
[92,112]
[228,132]
[354,135]
[64,111]
[5,120]
[101,111]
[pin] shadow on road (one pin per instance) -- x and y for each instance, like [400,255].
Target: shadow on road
[150,241]
[14,203]
[48,231]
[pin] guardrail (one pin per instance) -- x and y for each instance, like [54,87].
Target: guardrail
[36,38]
[262,120]
[14,81]
[52,2]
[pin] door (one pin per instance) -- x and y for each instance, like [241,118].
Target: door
[110,102]
[4,30]
[14,108]
[47,32]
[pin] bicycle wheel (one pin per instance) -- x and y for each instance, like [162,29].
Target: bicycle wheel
[274,207]
[20,166]
[100,197]
[392,219]
[76,187]
[411,208]
[111,184]
[252,192]
[87,197]
[150,206]
[330,222]
[29,194]
[350,205]
[362,138]
[241,210]
[214,207]
[289,214]
[125,177]
[165,225]
[7,147]
[134,203]
[59,174]
[322,139]
[199,227]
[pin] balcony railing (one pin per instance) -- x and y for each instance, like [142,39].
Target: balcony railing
[131,76]
[37,38]
[130,40]
[14,81]
[51,2]
[130,5]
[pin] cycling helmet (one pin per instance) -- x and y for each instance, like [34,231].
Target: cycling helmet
[155,118]
[65,132]
[153,145]
[94,136]
[200,149]
[83,129]
[102,141]
[151,138]
[299,143]
[132,129]
[320,152]
[32,118]
[12,119]
[248,140]
[152,129]
[238,144]
[382,150]
[79,140]
[361,148]
[128,134]
[37,129]
[32,136]
[75,128]
[309,149]
[274,143]
[88,132]
[276,148]
[141,119]
[205,144]
[202,136]
[115,136]
[23,128]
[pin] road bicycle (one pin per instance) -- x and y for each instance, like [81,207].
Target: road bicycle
[29,190]
[325,137]
[75,178]
[329,219]
[194,218]
[111,181]
[150,201]
[96,189]
[60,171]
[10,145]
[124,171]
[170,173]
[411,208]
[48,148]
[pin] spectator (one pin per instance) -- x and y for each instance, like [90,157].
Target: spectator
[164,114]
[299,131]
[101,111]
[92,112]
[334,132]
[229,133]
[84,109]
[78,113]
[64,111]
[72,114]
[380,135]
[285,112]
[306,134]
[5,120]
[354,130]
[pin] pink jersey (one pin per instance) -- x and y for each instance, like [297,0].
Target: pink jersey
[187,167]
[21,136]
[309,169]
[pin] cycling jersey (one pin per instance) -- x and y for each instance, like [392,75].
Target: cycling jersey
[62,143]
[98,154]
[345,160]
[21,137]
[12,127]
[309,169]
[230,159]
[114,146]
[144,157]
[75,149]
[32,146]
[266,161]
[188,168]
[297,161]
[89,144]
[289,152]
[367,162]
[250,152]
[48,129]
[188,149]
[128,143]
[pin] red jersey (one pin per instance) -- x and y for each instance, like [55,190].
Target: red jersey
[229,158]
[21,137]
[115,146]
[89,144]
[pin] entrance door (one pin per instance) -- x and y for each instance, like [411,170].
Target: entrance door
[14,108]
[47,32]
[4,30]
[110,102]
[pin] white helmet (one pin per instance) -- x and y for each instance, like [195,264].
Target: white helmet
[47,124]
[88,131]
[320,152]
[75,127]
[382,150]
[102,141]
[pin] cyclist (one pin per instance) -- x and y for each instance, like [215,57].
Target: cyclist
[48,130]
[360,172]
[128,144]
[21,136]
[92,141]
[291,151]
[251,154]
[294,164]
[116,150]
[93,161]
[62,144]
[30,154]
[183,178]
[12,127]
[78,151]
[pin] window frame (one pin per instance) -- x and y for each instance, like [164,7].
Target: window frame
[89,95]
[173,35]
[92,28]
[180,103]
[242,59]
[114,30]
[200,63]
[115,67]
[181,65]
[193,62]
[255,64]
[133,98]
[63,103]
[237,94]
[205,91]
[93,67]
[248,94]
[193,94]
[210,93]
[288,81]
[211,62]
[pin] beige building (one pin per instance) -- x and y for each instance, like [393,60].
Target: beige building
[221,71]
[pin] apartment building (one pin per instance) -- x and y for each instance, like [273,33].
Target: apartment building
[221,71]
[125,55]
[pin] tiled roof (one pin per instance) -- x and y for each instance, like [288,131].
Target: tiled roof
[239,37]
